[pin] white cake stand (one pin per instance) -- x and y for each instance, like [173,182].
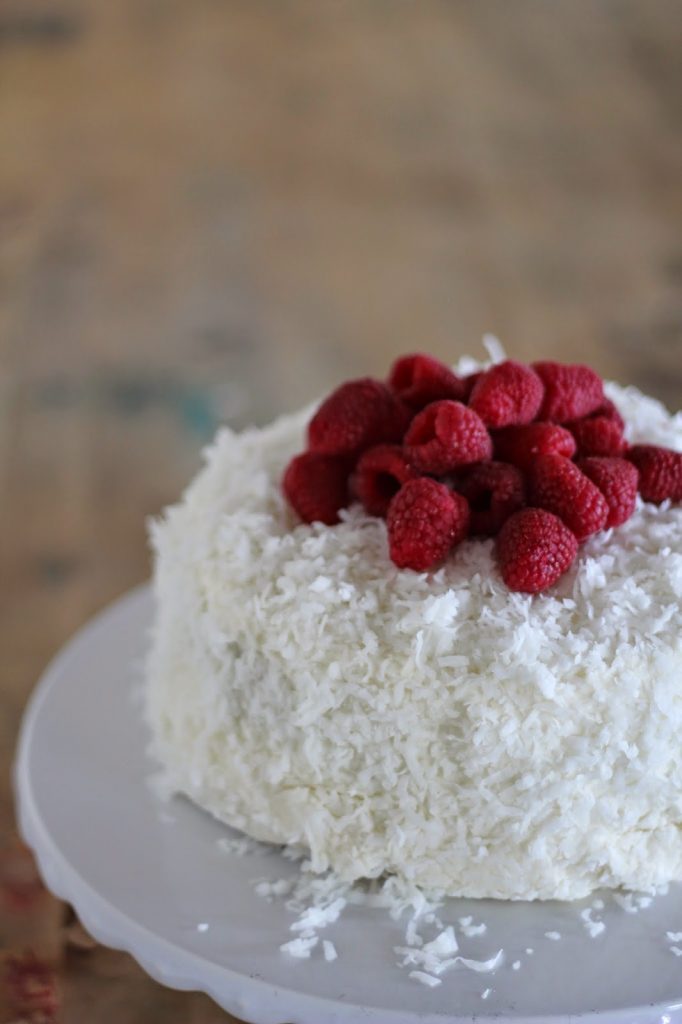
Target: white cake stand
[151,879]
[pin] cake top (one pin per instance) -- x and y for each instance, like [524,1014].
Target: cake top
[625,586]
[535,456]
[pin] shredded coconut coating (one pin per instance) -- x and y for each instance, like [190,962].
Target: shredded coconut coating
[434,726]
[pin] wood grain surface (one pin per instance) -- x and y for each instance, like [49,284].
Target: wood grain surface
[211,211]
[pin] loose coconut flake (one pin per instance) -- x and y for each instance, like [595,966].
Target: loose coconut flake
[592,927]
[320,900]
[300,948]
[425,979]
[329,950]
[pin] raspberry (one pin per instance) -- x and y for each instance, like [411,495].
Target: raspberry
[534,549]
[425,520]
[446,435]
[316,486]
[379,475]
[557,485]
[521,445]
[507,394]
[357,415]
[610,411]
[660,472]
[617,481]
[494,491]
[421,379]
[598,435]
[571,392]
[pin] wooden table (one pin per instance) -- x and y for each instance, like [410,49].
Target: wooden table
[213,211]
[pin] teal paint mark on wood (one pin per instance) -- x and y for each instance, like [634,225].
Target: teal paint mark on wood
[199,413]
[130,395]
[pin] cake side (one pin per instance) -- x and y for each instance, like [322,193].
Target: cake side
[474,740]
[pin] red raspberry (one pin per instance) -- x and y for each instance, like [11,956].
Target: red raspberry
[610,411]
[425,520]
[494,491]
[660,472]
[316,486]
[446,435]
[557,485]
[571,392]
[534,549]
[421,379]
[507,394]
[357,415]
[617,481]
[521,445]
[598,435]
[379,475]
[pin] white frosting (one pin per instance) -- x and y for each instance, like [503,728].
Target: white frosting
[468,739]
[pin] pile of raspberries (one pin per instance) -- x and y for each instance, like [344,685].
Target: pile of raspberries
[532,455]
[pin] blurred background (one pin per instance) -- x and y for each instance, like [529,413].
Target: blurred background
[213,211]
